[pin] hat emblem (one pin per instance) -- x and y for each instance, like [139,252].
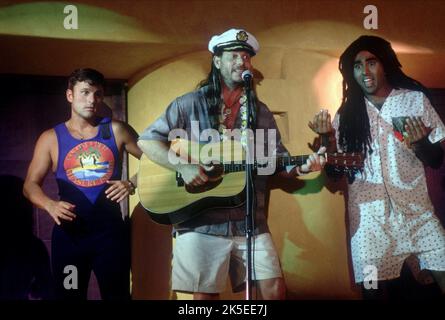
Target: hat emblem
[242,36]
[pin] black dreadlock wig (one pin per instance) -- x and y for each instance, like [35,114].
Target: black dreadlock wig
[213,87]
[212,92]
[354,129]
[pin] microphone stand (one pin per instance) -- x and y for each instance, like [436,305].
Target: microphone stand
[249,219]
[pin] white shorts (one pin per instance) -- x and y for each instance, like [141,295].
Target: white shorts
[202,262]
[374,245]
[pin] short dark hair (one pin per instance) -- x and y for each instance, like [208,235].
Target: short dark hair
[93,77]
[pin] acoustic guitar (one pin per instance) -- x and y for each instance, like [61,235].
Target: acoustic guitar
[168,200]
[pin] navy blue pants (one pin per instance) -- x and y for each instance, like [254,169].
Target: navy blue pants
[102,245]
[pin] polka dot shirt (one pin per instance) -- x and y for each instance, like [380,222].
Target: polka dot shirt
[390,213]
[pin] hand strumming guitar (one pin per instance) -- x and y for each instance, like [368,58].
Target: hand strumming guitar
[193,174]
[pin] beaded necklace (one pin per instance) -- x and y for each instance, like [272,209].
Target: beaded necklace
[227,116]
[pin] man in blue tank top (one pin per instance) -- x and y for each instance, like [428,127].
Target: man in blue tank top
[85,153]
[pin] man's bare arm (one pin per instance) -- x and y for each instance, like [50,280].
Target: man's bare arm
[126,137]
[40,165]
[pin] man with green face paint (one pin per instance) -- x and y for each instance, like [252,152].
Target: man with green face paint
[391,216]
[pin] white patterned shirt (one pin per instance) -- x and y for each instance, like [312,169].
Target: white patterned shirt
[390,213]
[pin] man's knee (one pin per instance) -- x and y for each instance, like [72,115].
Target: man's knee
[272,289]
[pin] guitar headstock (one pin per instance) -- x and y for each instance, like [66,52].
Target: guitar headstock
[352,160]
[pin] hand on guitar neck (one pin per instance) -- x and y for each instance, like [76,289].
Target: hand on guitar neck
[315,162]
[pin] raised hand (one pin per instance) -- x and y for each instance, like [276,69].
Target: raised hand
[415,130]
[321,124]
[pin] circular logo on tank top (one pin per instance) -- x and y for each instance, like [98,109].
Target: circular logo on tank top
[89,164]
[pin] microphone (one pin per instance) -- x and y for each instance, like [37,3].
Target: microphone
[247,77]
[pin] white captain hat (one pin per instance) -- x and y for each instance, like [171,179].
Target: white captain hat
[234,40]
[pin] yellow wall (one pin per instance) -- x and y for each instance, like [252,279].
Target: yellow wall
[160,47]
[308,226]
[45,19]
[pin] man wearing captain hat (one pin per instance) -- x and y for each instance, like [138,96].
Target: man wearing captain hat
[234,40]
[211,245]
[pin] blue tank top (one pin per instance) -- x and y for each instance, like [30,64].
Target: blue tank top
[84,166]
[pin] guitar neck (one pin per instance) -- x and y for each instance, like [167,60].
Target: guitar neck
[281,162]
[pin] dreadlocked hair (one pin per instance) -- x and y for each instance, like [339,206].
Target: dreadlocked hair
[212,90]
[354,127]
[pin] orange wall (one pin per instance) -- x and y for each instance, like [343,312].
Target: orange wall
[298,61]
[307,226]
[160,46]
